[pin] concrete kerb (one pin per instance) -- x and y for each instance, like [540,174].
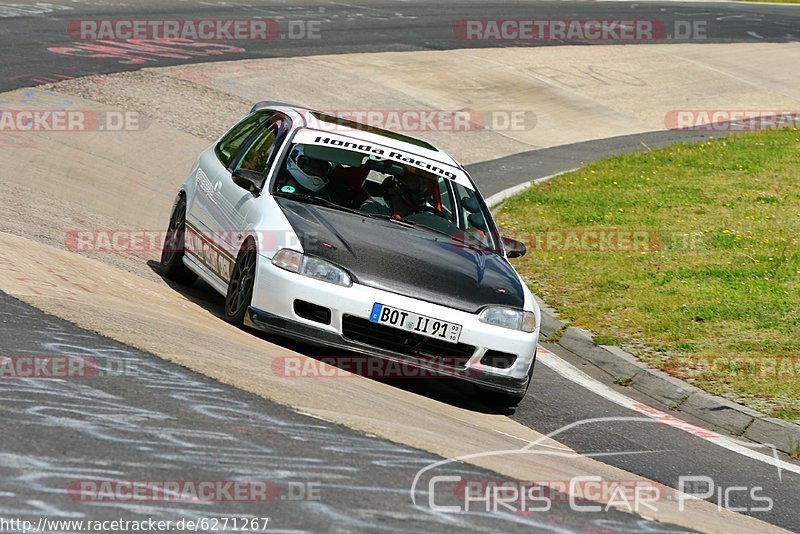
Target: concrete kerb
[624,368]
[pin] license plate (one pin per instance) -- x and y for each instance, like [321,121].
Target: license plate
[413,322]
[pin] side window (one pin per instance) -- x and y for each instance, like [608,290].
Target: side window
[447,202]
[469,205]
[226,149]
[259,154]
[473,218]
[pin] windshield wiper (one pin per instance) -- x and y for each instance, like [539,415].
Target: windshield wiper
[311,199]
[422,225]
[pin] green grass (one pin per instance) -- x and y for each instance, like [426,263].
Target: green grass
[711,291]
[794,452]
[623,380]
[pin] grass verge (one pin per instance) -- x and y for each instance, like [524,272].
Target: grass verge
[687,256]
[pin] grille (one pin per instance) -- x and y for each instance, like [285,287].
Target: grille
[408,343]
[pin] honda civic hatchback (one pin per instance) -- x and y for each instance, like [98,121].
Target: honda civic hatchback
[344,235]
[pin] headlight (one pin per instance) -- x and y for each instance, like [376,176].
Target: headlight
[509,318]
[299,263]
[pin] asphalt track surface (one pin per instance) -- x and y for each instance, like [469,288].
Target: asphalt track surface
[37,48]
[142,419]
[500,174]
[221,441]
[657,452]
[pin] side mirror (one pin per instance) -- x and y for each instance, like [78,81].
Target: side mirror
[247,179]
[471,204]
[514,248]
[476,220]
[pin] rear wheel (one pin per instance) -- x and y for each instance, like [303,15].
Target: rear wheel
[240,288]
[172,265]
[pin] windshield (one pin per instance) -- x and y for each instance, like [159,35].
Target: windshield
[382,188]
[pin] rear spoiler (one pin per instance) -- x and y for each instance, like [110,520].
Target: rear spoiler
[271,104]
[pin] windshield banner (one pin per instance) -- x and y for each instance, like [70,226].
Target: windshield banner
[309,137]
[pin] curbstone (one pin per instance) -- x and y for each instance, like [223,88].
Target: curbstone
[580,342]
[550,323]
[783,435]
[726,414]
[670,391]
[680,396]
[620,363]
[666,389]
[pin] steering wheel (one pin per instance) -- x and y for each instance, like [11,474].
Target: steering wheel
[429,209]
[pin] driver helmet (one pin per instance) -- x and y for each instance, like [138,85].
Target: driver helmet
[415,186]
[311,173]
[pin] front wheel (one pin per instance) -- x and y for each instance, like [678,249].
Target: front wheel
[500,401]
[171,265]
[240,288]
[504,401]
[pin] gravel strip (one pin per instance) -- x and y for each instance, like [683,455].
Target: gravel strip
[189,107]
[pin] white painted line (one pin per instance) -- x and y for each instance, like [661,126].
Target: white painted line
[507,193]
[577,376]
[529,442]
[573,374]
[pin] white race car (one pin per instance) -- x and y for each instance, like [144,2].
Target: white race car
[344,235]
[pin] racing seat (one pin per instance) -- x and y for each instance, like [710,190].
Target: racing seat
[347,185]
[434,199]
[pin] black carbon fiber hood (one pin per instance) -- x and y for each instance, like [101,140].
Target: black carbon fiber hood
[408,261]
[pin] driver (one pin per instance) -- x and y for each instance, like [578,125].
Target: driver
[404,195]
[307,175]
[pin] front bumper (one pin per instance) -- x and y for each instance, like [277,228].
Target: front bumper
[273,311]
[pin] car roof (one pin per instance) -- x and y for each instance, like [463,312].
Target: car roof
[317,120]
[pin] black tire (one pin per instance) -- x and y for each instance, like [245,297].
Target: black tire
[240,287]
[497,400]
[172,266]
[504,401]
